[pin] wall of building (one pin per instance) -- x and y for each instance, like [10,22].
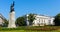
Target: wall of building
[43,20]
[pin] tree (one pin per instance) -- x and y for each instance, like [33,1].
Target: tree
[57,20]
[20,21]
[31,18]
[5,24]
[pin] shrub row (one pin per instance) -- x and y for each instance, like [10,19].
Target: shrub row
[42,29]
[46,28]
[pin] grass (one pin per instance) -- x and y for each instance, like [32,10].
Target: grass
[14,31]
[32,29]
[29,31]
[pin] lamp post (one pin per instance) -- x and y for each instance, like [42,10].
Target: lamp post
[27,20]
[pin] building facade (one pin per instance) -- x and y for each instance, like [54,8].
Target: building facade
[1,19]
[41,20]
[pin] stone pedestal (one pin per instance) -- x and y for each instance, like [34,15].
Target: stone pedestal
[12,20]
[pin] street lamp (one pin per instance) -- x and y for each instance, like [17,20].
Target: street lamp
[27,20]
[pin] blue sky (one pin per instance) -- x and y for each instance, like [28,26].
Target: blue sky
[22,7]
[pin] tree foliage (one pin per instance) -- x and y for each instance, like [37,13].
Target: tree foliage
[20,21]
[31,18]
[5,24]
[57,20]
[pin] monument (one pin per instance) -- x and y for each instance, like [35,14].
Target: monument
[12,17]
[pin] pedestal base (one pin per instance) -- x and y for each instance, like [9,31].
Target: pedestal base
[11,26]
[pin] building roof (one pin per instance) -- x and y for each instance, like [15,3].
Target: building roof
[45,15]
[1,16]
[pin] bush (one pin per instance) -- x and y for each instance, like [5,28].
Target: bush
[44,28]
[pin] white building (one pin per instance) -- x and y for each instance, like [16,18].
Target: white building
[41,20]
[1,19]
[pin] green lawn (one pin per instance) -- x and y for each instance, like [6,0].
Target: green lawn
[14,31]
[29,31]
